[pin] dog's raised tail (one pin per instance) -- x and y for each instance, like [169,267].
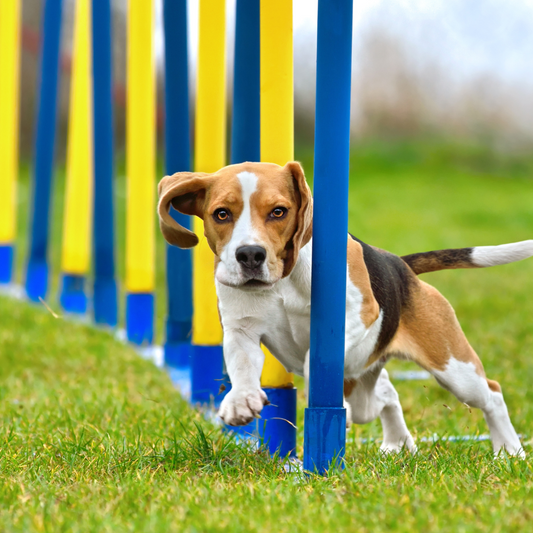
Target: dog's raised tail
[477,257]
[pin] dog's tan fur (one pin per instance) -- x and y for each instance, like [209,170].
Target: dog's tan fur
[358,274]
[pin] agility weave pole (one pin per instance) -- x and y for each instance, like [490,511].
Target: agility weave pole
[37,271]
[246,112]
[246,109]
[325,417]
[140,173]
[10,12]
[77,214]
[278,424]
[207,359]
[105,308]
[177,159]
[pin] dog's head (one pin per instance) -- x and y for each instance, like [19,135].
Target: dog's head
[256,217]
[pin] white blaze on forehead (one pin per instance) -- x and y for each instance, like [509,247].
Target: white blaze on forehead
[229,270]
[243,233]
[248,181]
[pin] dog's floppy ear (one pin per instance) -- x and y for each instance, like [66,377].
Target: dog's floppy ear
[304,218]
[186,192]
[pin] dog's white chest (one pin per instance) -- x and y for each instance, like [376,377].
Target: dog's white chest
[281,318]
[286,334]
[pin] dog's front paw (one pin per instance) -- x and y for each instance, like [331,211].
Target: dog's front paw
[240,407]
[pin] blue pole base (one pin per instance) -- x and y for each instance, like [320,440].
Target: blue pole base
[105,307]
[73,298]
[207,363]
[277,426]
[324,438]
[181,377]
[140,318]
[178,354]
[178,358]
[36,280]
[7,251]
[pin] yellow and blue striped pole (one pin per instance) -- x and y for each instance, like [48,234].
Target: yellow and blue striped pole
[140,170]
[245,113]
[277,146]
[77,219]
[210,155]
[9,129]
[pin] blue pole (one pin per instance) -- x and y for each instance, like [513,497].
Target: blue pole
[325,418]
[246,120]
[178,158]
[37,267]
[245,127]
[105,286]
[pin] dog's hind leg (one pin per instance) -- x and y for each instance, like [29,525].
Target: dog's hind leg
[466,382]
[431,336]
[372,396]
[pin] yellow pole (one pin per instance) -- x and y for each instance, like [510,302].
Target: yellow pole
[210,156]
[9,134]
[277,122]
[140,170]
[141,146]
[76,251]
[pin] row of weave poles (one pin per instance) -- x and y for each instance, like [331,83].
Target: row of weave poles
[261,130]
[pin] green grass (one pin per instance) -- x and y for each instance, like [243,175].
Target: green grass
[93,438]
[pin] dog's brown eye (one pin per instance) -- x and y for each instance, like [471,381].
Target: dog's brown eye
[222,215]
[278,212]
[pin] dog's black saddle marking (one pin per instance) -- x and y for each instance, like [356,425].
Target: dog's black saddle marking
[391,280]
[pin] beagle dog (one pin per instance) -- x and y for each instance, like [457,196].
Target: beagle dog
[258,223]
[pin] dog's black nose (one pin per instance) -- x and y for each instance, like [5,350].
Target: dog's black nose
[251,257]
